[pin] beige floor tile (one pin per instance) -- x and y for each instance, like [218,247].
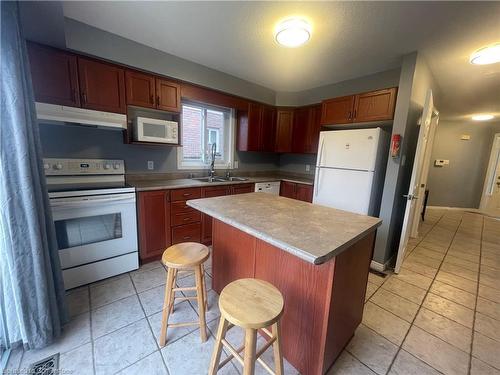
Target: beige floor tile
[492,282]
[457,281]
[493,263]
[439,247]
[444,328]
[376,279]
[490,271]
[370,289]
[372,349]
[405,290]
[449,309]
[423,251]
[460,271]
[420,268]
[487,326]
[406,364]
[462,263]
[454,294]
[471,257]
[346,364]
[395,304]
[486,350]
[478,367]
[414,278]
[436,352]
[489,293]
[489,308]
[385,323]
[430,262]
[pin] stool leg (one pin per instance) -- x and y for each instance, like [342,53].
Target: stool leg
[166,306]
[250,348]
[205,289]
[221,333]
[201,303]
[174,285]
[278,358]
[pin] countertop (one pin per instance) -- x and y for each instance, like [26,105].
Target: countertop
[165,184]
[311,232]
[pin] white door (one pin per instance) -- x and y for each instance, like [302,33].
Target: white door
[490,201]
[415,178]
[349,149]
[343,189]
[420,193]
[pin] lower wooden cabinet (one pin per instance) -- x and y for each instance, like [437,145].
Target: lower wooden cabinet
[186,233]
[293,190]
[242,188]
[206,220]
[154,223]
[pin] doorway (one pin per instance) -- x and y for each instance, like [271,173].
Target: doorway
[490,199]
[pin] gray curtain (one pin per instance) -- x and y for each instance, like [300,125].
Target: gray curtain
[31,286]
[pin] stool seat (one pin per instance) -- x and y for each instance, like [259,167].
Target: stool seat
[251,303]
[185,255]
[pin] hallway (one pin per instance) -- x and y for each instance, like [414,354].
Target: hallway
[441,314]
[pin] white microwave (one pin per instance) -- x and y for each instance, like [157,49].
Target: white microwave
[154,130]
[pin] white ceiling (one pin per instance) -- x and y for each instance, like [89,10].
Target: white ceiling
[349,40]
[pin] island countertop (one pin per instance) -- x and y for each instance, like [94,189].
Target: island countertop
[311,232]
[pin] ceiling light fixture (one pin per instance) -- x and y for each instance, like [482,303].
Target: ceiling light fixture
[293,32]
[486,55]
[482,117]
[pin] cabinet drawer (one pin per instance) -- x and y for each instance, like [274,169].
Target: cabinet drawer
[191,217]
[186,233]
[185,194]
[180,207]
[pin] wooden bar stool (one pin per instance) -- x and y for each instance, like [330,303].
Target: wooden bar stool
[251,304]
[184,257]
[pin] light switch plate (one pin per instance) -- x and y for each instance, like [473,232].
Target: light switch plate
[441,162]
[308,167]
[151,165]
[236,164]
[465,137]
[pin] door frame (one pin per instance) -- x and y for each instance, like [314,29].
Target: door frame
[490,172]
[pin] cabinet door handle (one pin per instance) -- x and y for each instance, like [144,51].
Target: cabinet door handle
[186,237]
[186,219]
[152,99]
[84,97]
[349,115]
[354,115]
[158,100]
[186,194]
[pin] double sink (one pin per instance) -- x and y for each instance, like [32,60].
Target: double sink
[219,179]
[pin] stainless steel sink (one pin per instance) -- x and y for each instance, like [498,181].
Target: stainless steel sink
[210,179]
[236,179]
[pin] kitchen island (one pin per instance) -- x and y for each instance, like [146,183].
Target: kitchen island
[318,257]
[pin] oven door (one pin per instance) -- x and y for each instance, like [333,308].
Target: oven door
[94,228]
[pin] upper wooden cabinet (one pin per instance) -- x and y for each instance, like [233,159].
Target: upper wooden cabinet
[256,128]
[140,88]
[168,95]
[55,75]
[306,128]
[102,86]
[370,106]
[337,110]
[375,106]
[268,129]
[284,127]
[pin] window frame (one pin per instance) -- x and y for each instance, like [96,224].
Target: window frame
[229,141]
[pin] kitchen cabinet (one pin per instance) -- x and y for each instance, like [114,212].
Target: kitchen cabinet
[168,95]
[284,127]
[185,220]
[268,129]
[337,110]
[293,190]
[242,188]
[55,75]
[140,88]
[154,223]
[306,128]
[256,128]
[369,106]
[206,220]
[375,106]
[102,86]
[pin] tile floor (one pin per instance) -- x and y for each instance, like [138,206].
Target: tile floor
[440,314]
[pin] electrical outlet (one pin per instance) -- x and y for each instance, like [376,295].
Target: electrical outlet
[151,165]
[236,164]
[308,167]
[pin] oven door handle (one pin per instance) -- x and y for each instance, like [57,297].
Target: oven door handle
[79,202]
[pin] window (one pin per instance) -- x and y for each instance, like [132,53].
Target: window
[201,127]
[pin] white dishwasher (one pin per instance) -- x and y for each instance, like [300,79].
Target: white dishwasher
[272,187]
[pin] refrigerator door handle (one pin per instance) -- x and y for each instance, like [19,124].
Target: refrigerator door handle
[316,183]
[320,159]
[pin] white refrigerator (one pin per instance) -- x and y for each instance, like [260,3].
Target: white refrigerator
[350,169]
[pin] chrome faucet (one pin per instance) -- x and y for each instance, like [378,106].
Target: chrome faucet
[212,163]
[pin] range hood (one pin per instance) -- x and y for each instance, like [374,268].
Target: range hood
[59,114]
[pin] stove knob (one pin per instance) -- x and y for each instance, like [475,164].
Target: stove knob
[58,166]
[116,166]
[107,166]
[46,166]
